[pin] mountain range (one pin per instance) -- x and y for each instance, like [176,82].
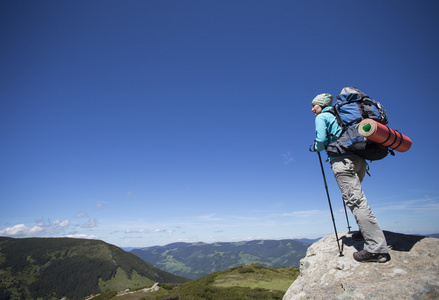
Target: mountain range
[56,268]
[194,260]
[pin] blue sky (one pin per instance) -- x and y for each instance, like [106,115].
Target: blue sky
[144,122]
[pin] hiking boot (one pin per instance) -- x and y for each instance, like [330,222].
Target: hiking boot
[364,256]
[357,236]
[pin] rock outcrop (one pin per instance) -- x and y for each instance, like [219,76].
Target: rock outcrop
[412,272]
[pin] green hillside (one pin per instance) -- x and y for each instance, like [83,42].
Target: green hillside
[52,268]
[243,282]
[194,260]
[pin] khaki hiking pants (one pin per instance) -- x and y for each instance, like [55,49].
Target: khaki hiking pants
[349,173]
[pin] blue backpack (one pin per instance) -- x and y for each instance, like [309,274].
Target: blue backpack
[353,106]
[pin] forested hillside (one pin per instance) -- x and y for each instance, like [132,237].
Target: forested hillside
[43,268]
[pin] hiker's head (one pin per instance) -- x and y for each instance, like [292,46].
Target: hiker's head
[320,102]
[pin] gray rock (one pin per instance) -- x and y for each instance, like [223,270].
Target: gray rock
[412,272]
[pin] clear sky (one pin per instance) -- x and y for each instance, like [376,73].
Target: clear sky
[147,122]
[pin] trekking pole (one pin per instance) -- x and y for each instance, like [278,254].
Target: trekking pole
[346,214]
[329,202]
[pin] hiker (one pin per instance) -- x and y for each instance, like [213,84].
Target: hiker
[349,171]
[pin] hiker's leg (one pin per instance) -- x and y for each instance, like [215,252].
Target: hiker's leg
[348,172]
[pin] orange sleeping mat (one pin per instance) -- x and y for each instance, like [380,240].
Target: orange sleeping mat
[384,135]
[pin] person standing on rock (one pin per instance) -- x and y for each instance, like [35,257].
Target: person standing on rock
[349,171]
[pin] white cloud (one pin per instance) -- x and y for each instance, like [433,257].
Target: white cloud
[137,230]
[81,236]
[131,194]
[427,205]
[41,228]
[163,231]
[304,213]
[143,230]
[64,223]
[244,218]
[209,217]
[91,223]
[287,158]
[81,214]
[20,230]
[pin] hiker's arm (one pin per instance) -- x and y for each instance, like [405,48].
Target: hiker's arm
[321,136]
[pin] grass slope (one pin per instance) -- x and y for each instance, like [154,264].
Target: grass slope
[242,282]
[46,268]
[199,259]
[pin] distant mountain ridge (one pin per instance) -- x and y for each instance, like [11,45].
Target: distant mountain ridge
[46,268]
[194,260]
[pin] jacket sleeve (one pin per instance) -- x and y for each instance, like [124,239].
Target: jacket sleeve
[321,133]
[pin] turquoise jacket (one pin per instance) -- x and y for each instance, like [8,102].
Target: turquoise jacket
[326,126]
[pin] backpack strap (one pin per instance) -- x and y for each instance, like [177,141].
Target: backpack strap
[339,122]
[334,112]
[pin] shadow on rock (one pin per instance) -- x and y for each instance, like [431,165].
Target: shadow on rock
[349,241]
[396,241]
[401,242]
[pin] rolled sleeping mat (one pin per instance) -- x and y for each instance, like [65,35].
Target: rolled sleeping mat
[384,135]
